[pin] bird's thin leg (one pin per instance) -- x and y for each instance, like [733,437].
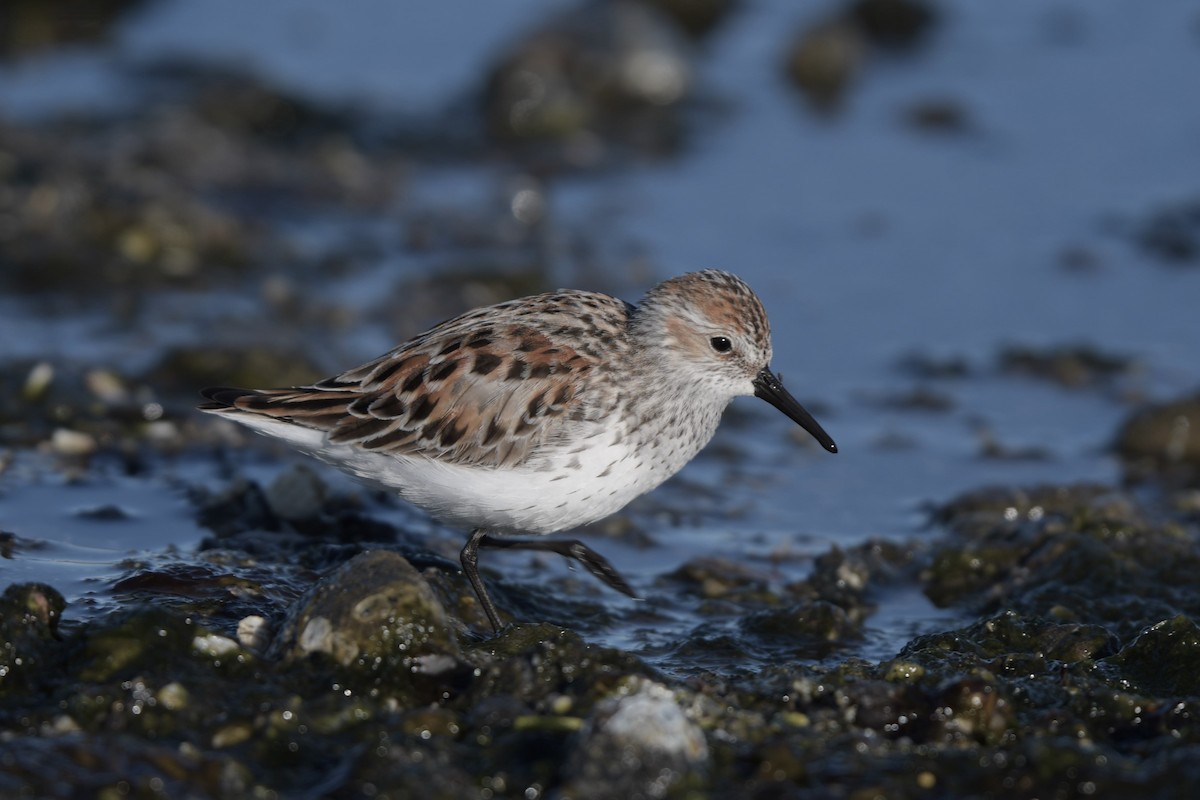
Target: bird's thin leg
[469,558]
[569,548]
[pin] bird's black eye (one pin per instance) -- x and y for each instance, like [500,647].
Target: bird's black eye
[721,344]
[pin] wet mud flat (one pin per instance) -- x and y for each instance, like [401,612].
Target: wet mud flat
[310,649]
[311,640]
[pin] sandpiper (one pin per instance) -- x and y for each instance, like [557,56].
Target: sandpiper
[539,414]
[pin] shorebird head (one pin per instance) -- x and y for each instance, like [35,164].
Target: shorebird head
[715,328]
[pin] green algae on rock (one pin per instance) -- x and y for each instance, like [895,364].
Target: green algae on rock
[29,617]
[1085,554]
[377,617]
[1164,659]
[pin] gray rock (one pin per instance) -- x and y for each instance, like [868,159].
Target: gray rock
[296,494]
[638,744]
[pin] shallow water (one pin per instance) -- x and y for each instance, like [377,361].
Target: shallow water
[869,239]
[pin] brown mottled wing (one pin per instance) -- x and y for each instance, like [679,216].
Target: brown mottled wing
[489,388]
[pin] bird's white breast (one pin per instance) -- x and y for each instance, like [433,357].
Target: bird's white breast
[581,481]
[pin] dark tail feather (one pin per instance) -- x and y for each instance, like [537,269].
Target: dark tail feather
[221,397]
[321,410]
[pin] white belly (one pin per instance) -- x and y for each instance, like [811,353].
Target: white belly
[506,500]
[570,489]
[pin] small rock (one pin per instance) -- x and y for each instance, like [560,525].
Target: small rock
[38,382]
[939,115]
[927,366]
[1163,441]
[637,744]
[297,493]
[712,577]
[173,697]
[377,615]
[1172,234]
[33,607]
[106,386]
[67,442]
[803,624]
[239,507]
[697,17]
[824,60]
[1070,365]
[254,633]
[896,25]
[109,512]
[232,735]
[590,74]
[214,645]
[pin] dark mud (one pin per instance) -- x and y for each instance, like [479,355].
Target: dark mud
[308,651]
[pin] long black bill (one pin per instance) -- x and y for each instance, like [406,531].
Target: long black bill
[768,387]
